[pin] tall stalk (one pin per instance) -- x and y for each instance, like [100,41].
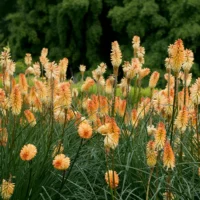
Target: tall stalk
[13,134]
[197,132]
[114,95]
[64,179]
[107,167]
[185,86]
[138,93]
[29,180]
[175,107]
[149,181]
[51,121]
[127,100]
[168,85]
[168,193]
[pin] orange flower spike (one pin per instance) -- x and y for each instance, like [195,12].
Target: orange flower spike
[160,136]
[151,154]
[38,104]
[114,127]
[65,97]
[103,106]
[63,64]
[109,85]
[41,90]
[195,92]
[177,55]
[112,178]
[37,71]
[188,61]
[52,71]
[116,57]
[134,117]
[32,95]
[143,72]
[44,52]
[122,107]
[154,79]
[28,59]
[16,101]
[91,109]
[23,85]
[30,118]
[182,119]
[89,82]
[168,156]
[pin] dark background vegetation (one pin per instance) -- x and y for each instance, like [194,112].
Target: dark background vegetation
[82,30]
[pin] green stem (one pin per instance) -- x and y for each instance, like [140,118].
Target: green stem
[198,141]
[114,95]
[175,104]
[13,134]
[111,190]
[149,181]
[168,187]
[139,92]
[113,167]
[185,87]
[168,85]
[70,170]
[29,180]
[51,114]
[135,91]
[127,94]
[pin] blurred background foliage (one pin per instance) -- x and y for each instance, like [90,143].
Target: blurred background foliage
[82,30]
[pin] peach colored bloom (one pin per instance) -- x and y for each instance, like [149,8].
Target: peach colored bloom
[61,162]
[112,178]
[116,57]
[136,42]
[37,71]
[7,189]
[16,101]
[109,85]
[168,156]
[182,119]
[44,52]
[160,136]
[30,117]
[85,130]
[23,85]
[188,60]
[28,152]
[64,97]
[154,79]
[151,154]
[52,70]
[28,59]
[89,82]
[177,55]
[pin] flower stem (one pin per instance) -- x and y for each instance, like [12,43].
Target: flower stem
[67,176]
[114,94]
[29,180]
[175,105]
[149,181]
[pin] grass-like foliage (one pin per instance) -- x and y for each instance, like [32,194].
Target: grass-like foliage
[100,138]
